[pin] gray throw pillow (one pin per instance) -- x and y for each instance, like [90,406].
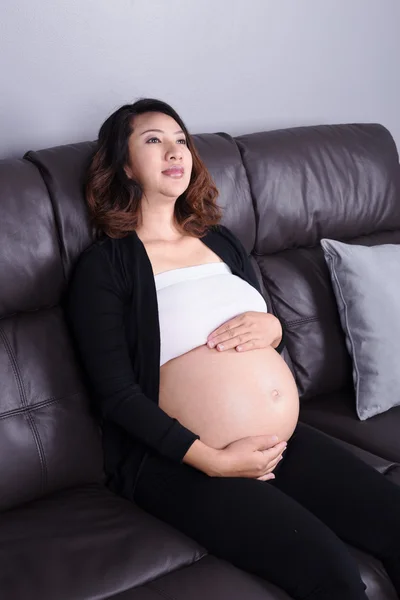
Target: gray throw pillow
[366,282]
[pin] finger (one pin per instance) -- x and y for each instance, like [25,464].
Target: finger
[266,477]
[273,453]
[227,335]
[264,442]
[250,345]
[271,450]
[270,467]
[273,464]
[270,462]
[231,324]
[236,341]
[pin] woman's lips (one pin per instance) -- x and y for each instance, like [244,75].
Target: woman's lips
[175,172]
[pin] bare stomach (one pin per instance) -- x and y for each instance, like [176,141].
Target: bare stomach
[225,396]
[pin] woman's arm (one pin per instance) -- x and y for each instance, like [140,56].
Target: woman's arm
[95,312]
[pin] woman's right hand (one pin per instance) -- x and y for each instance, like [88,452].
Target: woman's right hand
[252,457]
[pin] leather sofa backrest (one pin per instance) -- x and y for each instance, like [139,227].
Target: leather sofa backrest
[336,181]
[63,169]
[48,440]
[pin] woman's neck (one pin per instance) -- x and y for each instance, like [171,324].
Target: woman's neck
[158,225]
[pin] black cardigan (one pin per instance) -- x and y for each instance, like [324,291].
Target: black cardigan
[112,311]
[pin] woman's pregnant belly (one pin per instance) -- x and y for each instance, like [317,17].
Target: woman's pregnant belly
[225,396]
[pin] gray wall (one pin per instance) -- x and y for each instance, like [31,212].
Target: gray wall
[226,65]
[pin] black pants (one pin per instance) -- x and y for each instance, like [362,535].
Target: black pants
[290,530]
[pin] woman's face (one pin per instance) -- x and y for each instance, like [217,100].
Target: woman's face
[159,158]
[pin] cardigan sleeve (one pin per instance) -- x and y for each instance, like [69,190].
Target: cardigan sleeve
[248,270]
[95,309]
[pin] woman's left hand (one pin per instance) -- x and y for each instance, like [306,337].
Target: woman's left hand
[247,331]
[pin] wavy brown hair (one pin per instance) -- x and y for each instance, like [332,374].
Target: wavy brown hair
[114,199]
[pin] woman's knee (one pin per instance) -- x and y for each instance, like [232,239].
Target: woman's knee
[320,569]
[331,573]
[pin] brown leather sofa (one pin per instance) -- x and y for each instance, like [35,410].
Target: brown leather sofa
[63,535]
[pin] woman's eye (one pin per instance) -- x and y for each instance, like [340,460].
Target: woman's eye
[156,140]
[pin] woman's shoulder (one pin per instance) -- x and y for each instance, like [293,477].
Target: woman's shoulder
[97,253]
[107,260]
[110,249]
[225,236]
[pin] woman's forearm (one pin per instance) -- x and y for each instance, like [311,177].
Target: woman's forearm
[204,458]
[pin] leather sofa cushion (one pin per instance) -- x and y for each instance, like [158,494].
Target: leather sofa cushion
[332,181]
[302,296]
[48,439]
[30,263]
[373,574]
[63,169]
[221,156]
[380,464]
[85,543]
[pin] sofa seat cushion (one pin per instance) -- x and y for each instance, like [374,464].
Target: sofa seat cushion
[85,543]
[335,414]
[373,574]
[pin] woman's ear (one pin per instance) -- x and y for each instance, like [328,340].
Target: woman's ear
[128,171]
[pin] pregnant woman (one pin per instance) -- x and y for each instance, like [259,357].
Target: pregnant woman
[198,409]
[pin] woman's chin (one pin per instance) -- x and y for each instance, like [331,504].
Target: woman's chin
[174,189]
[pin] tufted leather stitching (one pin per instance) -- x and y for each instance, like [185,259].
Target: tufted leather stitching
[46,176]
[301,321]
[43,404]
[25,406]
[252,197]
[27,311]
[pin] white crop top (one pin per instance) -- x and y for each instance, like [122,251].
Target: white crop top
[193,301]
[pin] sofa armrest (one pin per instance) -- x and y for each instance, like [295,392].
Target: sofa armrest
[380,464]
[390,469]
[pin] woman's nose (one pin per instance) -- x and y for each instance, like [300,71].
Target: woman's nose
[174,153]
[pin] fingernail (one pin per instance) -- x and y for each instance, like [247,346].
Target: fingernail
[274,438]
[220,347]
[211,344]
